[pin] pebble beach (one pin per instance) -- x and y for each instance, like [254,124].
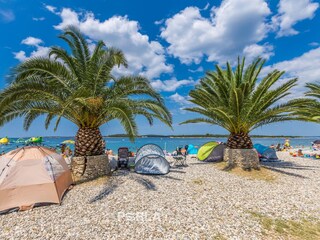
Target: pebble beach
[197,201]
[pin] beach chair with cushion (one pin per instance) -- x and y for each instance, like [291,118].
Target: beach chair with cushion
[123,157]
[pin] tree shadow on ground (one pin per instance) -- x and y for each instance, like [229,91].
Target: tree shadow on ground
[177,171]
[289,165]
[166,177]
[143,180]
[148,184]
[285,167]
[106,191]
[204,163]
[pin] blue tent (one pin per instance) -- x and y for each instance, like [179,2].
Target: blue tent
[192,149]
[260,148]
[267,153]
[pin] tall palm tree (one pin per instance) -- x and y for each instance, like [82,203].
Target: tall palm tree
[238,102]
[79,86]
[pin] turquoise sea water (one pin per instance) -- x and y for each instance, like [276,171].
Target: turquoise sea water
[169,144]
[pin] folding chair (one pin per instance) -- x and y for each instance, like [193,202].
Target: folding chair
[179,160]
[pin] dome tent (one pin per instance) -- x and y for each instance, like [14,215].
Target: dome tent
[32,175]
[266,153]
[150,159]
[211,152]
[192,149]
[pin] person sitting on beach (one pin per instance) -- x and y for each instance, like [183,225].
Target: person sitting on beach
[179,150]
[278,147]
[300,154]
[67,152]
[63,148]
[287,144]
[109,152]
[183,151]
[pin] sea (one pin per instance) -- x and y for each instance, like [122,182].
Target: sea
[166,143]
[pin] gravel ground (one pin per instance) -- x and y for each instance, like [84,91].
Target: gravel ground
[194,202]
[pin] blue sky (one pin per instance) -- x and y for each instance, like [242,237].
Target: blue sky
[173,43]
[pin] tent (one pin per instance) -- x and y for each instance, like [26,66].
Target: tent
[30,176]
[150,159]
[211,152]
[192,149]
[266,153]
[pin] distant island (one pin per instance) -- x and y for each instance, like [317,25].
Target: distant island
[199,136]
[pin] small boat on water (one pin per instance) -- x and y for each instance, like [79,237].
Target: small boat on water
[4,140]
[20,140]
[34,140]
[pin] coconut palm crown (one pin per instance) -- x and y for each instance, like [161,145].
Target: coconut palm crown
[311,112]
[238,101]
[78,85]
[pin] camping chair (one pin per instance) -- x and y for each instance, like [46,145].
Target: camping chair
[123,157]
[180,158]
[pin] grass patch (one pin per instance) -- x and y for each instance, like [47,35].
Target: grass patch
[219,237]
[303,229]
[198,181]
[264,173]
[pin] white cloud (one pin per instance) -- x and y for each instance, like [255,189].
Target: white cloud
[38,19]
[40,51]
[51,8]
[305,67]
[206,7]
[31,41]
[233,26]
[252,51]
[171,85]
[7,15]
[290,12]
[199,69]
[314,44]
[159,22]
[181,100]
[145,57]
[69,17]
[21,56]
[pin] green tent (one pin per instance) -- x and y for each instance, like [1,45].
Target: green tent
[206,149]
[211,152]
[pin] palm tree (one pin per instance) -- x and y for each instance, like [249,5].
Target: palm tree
[238,102]
[79,86]
[311,112]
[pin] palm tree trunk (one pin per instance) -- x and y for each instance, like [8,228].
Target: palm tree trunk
[89,142]
[239,141]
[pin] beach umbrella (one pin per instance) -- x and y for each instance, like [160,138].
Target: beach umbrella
[68,142]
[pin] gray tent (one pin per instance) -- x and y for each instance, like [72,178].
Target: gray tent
[217,154]
[269,154]
[150,159]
